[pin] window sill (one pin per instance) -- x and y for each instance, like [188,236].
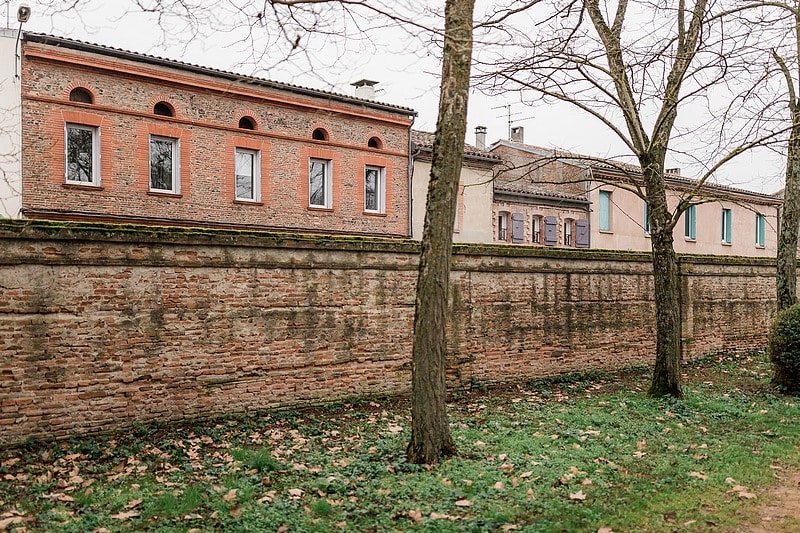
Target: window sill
[165,193]
[82,186]
[320,209]
[241,201]
[373,214]
[760,246]
[723,243]
[689,239]
[608,231]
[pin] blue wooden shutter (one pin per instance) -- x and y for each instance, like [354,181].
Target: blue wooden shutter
[582,233]
[550,231]
[517,227]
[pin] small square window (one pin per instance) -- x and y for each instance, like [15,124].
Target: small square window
[374,189]
[319,183]
[248,175]
[164,165]
[82,155]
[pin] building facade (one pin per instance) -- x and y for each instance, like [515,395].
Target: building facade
[474,207]
[111,135]
[597,196]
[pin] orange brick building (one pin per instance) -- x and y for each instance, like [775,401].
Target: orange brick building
[112,135]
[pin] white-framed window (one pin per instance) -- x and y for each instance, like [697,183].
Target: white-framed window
[761,228]
[248,175]
[502,227]
[164,164]
[374,189]
[319,183]
[727,226]
[690,223]
[82,152]
[605,210]
[537,229]
[568,232]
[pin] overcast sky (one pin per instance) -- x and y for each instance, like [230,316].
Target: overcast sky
[407,74]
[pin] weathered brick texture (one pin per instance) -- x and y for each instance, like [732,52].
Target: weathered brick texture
[102,326]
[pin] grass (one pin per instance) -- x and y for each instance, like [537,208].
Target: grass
[574,454]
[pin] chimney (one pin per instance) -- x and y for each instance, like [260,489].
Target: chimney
[480,137]
[673,171]
[518,134]
[365,89]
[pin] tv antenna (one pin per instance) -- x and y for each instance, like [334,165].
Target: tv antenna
[509,114]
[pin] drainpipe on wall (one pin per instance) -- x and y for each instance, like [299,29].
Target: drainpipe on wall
[411,155]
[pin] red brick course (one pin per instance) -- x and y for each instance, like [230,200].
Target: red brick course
[104,326]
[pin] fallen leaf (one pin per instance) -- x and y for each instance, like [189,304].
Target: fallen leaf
[415,515]
[577,496]
[236,512]
[499,485]
[230,496]
[605,530]
[296,493]
[526,474]
[510,527]
[698,475]
[747,495]
[133,503]
[463,503]
[125,515]
[4,523]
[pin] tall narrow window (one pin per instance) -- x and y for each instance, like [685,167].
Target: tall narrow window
[646,219]
[374,189]
[605,210]
[502,227]
[761,226]
[164,164]
[82,155]
[248,177]
[319,183]
[568,232]
[727,220]
[690,222]
[536,238]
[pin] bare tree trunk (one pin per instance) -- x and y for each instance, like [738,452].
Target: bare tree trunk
[667,369]
[790,219]
[430,432]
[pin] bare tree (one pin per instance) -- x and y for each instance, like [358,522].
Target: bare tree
[780,21]
[632,65]
[430,433]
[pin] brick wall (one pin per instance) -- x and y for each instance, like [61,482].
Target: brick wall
[101,326]
[206,118]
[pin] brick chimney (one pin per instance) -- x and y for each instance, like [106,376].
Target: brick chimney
[518,134]
[480,137]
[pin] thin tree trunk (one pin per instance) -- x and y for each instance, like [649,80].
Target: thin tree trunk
[787,239]
[667,369]
[430,432]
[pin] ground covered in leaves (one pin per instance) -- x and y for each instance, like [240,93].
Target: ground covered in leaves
[579,453]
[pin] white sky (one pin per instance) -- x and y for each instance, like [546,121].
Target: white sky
[406,79]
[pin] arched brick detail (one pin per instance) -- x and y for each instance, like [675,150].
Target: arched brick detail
[167,100]
[79,84]
[248,114]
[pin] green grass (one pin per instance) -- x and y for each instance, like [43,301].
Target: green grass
[573,454]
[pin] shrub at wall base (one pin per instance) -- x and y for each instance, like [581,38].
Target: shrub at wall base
[784,349]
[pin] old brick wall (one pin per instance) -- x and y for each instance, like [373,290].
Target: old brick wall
[102,326]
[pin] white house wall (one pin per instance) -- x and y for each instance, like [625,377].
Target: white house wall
[10,128]
[474,216]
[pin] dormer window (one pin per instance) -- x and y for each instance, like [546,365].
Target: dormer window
[163,109]
[79,94]
[319,135]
